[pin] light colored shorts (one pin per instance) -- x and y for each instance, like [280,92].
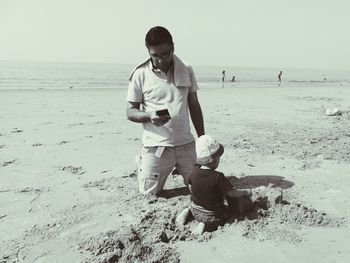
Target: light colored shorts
[154,165]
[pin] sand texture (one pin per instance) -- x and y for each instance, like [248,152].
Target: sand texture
[68,189]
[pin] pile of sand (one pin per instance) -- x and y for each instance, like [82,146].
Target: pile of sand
[275,216]
[150,241]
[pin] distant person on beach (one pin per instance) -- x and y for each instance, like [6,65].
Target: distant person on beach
[223,76]
[233,79]
[162,93]
[209,188]
[280,76]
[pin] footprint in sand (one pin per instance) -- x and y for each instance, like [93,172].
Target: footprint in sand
[37,144]
[72,169]
[104,184]
[99,122]
[76,124]
[133,139]
[7,163]
[63,142]
[29,190]
[101,184]
[16,130]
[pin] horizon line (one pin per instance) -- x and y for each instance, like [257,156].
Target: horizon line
[194,65]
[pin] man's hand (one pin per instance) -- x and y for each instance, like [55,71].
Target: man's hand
[159,120]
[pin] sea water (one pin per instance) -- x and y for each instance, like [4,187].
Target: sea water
[52,75]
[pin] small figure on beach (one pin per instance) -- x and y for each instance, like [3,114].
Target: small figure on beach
[223,76]
[209,188]
[280,76]
[324,77]
[233,79]
[167,141]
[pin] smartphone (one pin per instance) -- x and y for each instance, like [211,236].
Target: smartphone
[164,112]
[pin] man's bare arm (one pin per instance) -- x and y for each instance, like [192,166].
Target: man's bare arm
[196,113]
[134,114]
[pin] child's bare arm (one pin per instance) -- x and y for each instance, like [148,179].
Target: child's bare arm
[239,193]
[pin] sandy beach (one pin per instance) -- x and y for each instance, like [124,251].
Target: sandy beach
[68,190]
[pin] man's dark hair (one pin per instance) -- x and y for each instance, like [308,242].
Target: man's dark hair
[157,36]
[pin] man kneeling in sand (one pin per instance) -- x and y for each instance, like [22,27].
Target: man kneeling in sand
[162,94]
[209,188]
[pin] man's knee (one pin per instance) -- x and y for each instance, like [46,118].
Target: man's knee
[147,184]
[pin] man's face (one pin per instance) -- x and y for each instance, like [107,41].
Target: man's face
[162,56]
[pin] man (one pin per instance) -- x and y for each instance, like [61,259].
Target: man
[164,82]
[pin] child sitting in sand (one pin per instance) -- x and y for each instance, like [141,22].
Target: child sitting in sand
[209,188]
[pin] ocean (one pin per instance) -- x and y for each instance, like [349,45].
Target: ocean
[52,75]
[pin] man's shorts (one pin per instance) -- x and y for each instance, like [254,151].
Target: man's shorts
[156,163]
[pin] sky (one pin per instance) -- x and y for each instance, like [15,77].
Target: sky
[237,33]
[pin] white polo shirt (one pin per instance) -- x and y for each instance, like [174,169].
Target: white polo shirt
[156,90]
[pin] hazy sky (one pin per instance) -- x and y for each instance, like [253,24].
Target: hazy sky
[241,33]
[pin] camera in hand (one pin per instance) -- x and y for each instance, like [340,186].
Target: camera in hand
[164,112]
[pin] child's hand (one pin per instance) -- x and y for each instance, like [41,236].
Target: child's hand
[240,193]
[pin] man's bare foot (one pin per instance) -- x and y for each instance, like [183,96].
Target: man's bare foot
[181,218]
[199,229]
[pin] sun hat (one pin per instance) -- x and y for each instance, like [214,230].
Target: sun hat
[207,149]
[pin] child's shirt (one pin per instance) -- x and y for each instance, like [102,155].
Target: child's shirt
[208,188]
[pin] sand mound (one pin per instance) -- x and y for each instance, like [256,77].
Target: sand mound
[154,238]
[149,241]
[126,246]
[273,211]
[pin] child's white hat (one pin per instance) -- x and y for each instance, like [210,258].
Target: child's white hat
[207,149]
